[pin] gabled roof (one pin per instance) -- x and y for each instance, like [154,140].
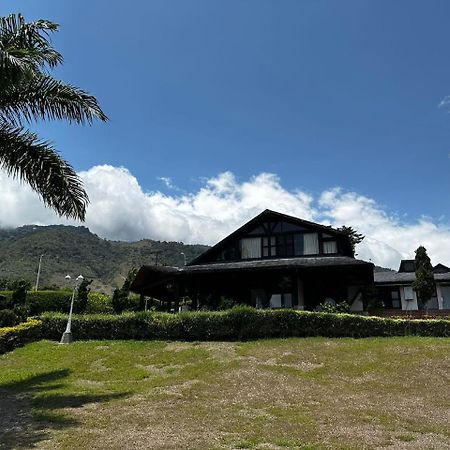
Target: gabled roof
[267,214]
[440,268]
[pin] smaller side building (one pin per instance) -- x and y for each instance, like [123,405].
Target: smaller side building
[395,289]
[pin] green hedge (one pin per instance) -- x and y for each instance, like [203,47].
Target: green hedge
[12,337]
[240,323]
[41,301]
[59,301]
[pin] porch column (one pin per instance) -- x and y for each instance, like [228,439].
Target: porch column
[300,293]
[439,296]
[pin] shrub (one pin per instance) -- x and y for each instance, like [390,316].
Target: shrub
[12,337]
[239,323]
[341,307]
[41,301]
[119,300]
[82,296]
[19,295]
[8,318]
[99,304]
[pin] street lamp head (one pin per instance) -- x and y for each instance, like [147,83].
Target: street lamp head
[68,277]
[80,277]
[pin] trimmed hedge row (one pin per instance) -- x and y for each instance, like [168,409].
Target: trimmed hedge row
[239,323]
[12,337]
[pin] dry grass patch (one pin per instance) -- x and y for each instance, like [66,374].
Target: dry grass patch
[275,394]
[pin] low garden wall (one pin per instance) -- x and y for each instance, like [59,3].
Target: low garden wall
[240,323]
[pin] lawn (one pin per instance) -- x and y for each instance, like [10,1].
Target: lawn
[313,393]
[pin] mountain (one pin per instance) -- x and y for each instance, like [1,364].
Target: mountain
[75,250]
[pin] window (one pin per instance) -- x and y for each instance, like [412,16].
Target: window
[269,246]
[281,300]
[251,248]
[329,247]
[306,244]
[275,301]
[395,298]
[285,245]
[409,293]
[310,244]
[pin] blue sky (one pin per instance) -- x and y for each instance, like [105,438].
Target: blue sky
[322,93]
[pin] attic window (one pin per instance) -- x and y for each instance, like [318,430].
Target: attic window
[251,248]
[306,244]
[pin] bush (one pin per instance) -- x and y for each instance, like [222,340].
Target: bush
[8,318]
[99,304]
[82,296]
[341,307]
[41,301]
[12,337]
[239,323]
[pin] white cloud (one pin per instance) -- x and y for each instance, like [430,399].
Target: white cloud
[444,102]
[121,210]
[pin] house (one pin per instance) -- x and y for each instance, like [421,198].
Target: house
[273,261]
[396,292]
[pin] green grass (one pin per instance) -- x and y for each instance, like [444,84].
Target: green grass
[308,394]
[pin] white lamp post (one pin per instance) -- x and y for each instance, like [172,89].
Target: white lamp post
[38,273]
[184,255]
[67,337]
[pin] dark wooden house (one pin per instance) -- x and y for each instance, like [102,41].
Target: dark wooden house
[273,261]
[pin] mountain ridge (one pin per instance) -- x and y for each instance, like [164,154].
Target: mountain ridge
[75,250]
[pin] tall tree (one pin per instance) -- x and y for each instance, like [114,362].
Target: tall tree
[354,237]
[424,284]
[82,295]
[29,93]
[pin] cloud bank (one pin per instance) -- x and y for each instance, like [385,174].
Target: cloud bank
[121,210]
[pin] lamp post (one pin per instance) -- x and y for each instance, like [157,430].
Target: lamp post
[38,273]
[67,337]
[184,255]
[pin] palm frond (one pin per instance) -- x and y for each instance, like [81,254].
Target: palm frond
[24,156]
[43,97]
[27,45]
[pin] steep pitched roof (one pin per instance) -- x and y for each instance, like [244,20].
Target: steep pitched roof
[440,268]
[266,215]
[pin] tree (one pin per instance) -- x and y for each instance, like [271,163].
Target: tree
[354,237]
[424,284]
[120,296]
[82,295]
[29,93]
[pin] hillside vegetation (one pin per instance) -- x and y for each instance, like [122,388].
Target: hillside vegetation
[75,250]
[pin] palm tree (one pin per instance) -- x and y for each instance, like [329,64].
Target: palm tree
[28,93]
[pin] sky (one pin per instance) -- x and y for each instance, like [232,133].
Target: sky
[334,111]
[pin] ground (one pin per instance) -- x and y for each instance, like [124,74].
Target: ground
[312,393]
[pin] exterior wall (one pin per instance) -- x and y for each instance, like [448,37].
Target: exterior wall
[357,305]
[408,305]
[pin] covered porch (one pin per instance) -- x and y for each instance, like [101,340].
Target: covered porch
[287,283]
